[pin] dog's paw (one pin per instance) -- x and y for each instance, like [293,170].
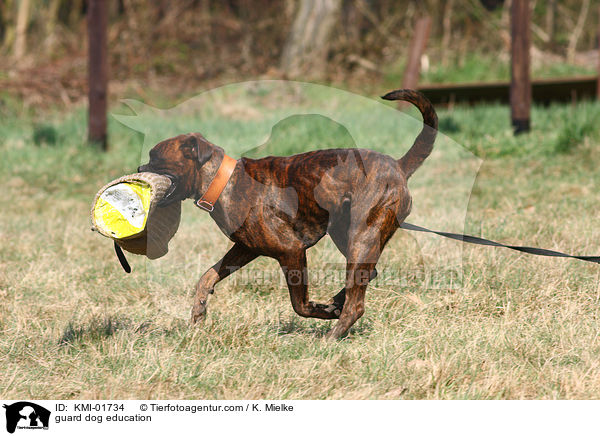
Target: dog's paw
[334,308]
[336,304]
[198,312]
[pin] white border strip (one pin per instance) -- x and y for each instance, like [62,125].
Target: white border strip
[314,417]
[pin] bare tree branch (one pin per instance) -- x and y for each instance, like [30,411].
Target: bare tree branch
[572,48]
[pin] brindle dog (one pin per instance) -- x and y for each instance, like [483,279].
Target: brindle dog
[359,197]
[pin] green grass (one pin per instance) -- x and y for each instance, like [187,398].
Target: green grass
[481,67]
[73,325]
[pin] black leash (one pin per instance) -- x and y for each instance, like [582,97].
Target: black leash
[122,258]
[456,236]
[480,241]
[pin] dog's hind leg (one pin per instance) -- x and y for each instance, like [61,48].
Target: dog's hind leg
[336,304]
[357,279]
[234,259]
[338,231]
[293,265]
[363,251]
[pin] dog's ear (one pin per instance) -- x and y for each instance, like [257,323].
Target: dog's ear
[196,147]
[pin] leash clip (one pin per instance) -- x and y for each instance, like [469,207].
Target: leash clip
[203,204]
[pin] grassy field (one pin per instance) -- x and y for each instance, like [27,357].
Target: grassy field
[512,326]
[484,67]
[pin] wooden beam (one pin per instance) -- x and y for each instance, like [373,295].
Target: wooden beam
[520,85]
[97,71]
[544,91]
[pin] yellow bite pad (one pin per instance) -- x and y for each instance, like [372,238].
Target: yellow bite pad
[122,209]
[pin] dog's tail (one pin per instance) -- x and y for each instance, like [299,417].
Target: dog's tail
[423,144]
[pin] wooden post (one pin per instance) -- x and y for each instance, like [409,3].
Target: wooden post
[520,85]
[598,48]
[97,71]
[416,50]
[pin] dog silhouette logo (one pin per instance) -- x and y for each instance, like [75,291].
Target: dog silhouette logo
[26,415]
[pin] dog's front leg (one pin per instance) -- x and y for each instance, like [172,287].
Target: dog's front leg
[234,259]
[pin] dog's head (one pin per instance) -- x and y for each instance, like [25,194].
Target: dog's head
[180,159]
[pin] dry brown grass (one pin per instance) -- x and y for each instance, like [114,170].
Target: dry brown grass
[72,325]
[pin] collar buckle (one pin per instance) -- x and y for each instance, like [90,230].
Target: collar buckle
[203,204]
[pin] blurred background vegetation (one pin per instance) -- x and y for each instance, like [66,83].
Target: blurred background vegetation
[177,47]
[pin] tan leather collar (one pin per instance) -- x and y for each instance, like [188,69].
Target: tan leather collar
[210,197]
